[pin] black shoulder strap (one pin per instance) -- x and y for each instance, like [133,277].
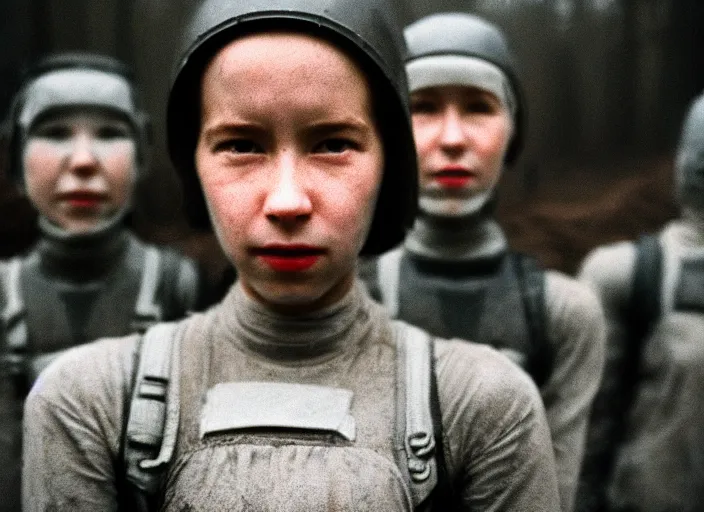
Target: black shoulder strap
[610,410]
[531,280]
[643,309]
[443,498]
[151,429]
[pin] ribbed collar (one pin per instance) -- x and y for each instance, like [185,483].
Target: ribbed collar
[81,257]
[322,334]
[478,237]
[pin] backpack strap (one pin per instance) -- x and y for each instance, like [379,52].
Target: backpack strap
[416,436]
[619,385]
[389,275]
[14,320]
[147,310]
[643,309]
[531,279]
[152,418]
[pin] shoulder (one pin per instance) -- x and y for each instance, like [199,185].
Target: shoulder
[609,269]
[480,385]
[571,299]
[87,370]
[82,393]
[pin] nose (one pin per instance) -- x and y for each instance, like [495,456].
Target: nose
[83,159]
[452,133]
[288,203]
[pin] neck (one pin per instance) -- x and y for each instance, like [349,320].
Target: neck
[83,256]
[285,336]
[472,237]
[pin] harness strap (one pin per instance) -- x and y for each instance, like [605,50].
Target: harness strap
[147,310]
[14,318]
[389,275]
[531,279]
[417,444]
[152,425]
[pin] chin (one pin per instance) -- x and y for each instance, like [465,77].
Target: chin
[452,207]
[294,297]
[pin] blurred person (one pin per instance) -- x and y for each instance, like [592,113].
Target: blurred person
[455,274]
[288,123]
[646,439]
[78,146]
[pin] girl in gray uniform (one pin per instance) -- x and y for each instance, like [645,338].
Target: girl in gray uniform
[288,122]
[78,147]
[456,275]
[646,438]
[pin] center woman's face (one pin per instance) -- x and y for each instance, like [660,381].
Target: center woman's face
[290,161]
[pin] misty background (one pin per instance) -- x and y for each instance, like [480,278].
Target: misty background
[607,84]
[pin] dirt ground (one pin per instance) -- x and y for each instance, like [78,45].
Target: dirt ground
[564,212]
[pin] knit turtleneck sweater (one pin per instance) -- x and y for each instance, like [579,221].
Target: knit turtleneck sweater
[477,237]
[319,334]
[84,257]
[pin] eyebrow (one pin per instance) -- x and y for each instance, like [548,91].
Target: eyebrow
[348,124]
[355,125]
[230,128]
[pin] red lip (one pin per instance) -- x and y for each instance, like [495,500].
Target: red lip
[453,176]
[83,199]
[289,258]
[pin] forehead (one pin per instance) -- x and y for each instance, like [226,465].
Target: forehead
[280,59]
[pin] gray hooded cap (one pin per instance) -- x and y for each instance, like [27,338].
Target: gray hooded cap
[690,158]
[75,80]
[367,31]
[461,34]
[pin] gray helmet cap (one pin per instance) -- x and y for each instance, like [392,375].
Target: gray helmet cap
[461,34]
[75,80]
[367,32]
[689,166]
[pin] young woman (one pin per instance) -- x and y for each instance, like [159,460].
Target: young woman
[288,122]
[456,275]
[78,147]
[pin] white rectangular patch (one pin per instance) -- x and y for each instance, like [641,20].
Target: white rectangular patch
[240,405]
